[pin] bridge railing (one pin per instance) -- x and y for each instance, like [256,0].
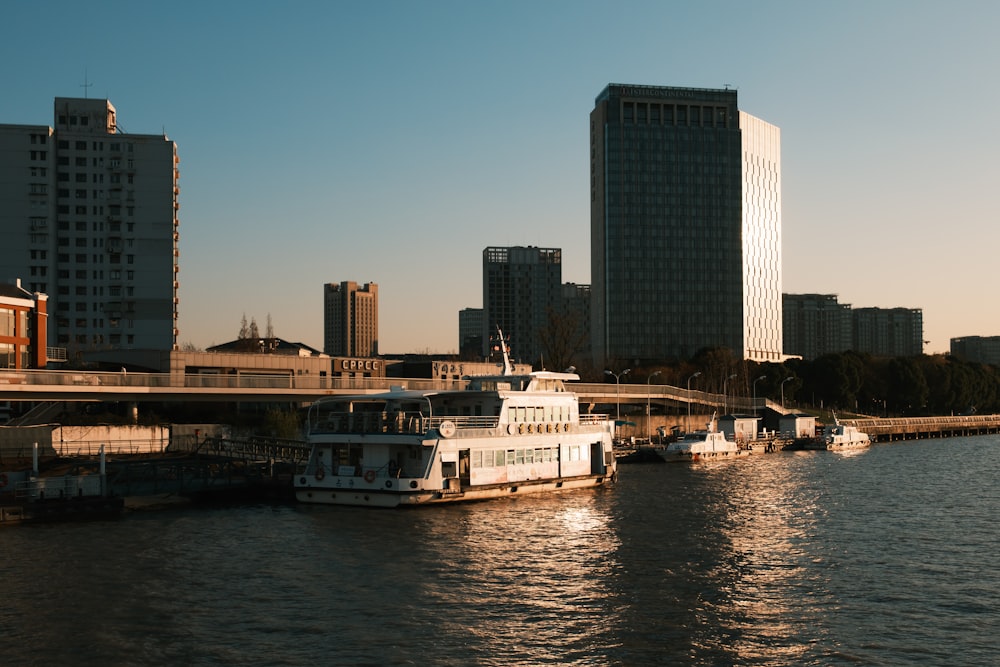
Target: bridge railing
[593,392]
[214,380]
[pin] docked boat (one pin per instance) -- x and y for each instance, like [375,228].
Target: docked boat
[708,445]
[503,435]
[839,436]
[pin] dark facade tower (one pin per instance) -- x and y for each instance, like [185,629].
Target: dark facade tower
[521,287]
[685,226]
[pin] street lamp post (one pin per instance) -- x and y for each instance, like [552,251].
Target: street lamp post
[618,395]
[725,396]
[649,414]
[762,377]
[687,425]
[783,391]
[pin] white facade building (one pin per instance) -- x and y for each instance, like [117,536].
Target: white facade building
[89,215]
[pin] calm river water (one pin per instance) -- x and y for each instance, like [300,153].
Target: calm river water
[885,557]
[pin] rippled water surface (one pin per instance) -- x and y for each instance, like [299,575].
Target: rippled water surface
[879,558]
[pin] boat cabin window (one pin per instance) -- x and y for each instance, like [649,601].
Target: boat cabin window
[531,414]
[499,458]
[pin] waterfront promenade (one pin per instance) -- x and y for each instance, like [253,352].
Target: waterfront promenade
[47,385]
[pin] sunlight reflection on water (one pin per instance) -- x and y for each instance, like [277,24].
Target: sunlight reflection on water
[792,558]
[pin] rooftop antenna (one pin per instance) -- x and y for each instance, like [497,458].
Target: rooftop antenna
[85,85]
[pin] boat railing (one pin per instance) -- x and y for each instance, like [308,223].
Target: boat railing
[400,422]
[592,419]
[410,422]
[464,421]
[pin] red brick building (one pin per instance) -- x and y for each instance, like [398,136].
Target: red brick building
[23,328]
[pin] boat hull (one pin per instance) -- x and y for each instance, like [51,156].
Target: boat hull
[704,457]
[835,447]
[396,495]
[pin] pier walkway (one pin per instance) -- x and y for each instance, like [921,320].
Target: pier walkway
[917,428]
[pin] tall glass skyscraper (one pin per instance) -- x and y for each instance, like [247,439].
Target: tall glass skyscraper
[685,226]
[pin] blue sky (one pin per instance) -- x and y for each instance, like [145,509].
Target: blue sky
[392,141]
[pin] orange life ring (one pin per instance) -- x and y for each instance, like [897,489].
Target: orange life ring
[369,476]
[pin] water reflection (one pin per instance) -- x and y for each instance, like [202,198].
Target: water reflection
[810,558]
[528,580]
[729,573]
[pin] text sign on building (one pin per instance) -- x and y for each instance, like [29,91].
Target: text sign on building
[372,366]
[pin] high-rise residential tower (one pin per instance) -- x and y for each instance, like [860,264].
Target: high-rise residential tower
[685,226]
[350,319]
[889,332]
[470,333]
[816,324]
[522,286]
[89,215]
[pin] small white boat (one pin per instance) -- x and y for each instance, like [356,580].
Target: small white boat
[504,435]
[707,445]
[839,436]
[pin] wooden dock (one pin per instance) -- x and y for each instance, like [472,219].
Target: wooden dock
[919,428]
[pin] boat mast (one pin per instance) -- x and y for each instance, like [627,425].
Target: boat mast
[505,351]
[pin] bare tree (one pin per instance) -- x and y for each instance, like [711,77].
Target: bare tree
[562,338]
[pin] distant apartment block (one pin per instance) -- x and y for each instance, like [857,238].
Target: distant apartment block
[89,214]
[889,332]
[350,319]
[685,226]
[521,287]
[23,327]
[977,349]
[470,333]
[816,324]
[574,327]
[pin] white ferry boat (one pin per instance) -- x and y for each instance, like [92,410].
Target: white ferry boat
[707,445]
[504,435]
[839,436]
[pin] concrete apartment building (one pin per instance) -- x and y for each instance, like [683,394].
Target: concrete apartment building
[350,319]
[89,215]
[977,349]
[889,332]
[685,226]
[816,324]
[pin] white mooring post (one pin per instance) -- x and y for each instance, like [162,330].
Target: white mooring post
[103,472]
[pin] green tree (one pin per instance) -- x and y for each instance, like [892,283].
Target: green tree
[908,390]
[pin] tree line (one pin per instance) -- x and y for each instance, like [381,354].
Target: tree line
[848,382]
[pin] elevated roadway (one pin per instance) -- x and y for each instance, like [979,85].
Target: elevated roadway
[45,385]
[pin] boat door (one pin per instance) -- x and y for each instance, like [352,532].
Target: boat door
[463,467]
[597,462]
